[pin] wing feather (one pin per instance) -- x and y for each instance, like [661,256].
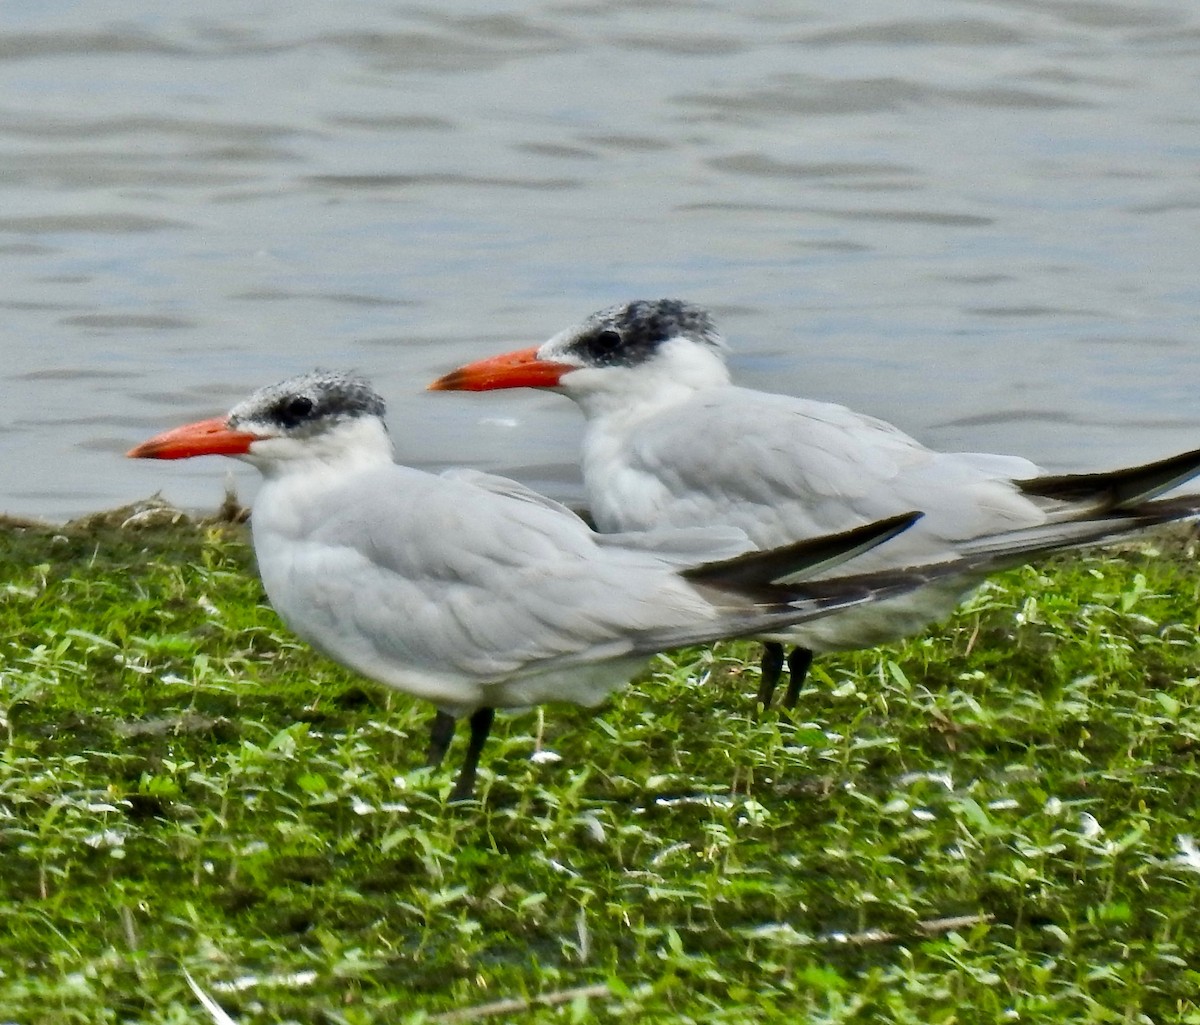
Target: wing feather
[437,575]
[783,468]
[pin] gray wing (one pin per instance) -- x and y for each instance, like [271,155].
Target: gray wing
[426,574]
[782,468]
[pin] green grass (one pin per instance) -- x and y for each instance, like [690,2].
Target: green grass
[981,825]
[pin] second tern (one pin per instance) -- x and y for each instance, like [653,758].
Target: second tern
[671,440]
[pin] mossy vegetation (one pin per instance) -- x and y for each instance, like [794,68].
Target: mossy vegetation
[992,822]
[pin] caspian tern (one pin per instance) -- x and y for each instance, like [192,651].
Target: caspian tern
[671,440]
[472,591]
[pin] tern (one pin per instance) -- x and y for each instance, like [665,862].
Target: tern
[671,440]
[474,592]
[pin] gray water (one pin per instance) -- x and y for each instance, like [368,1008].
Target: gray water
[980,219]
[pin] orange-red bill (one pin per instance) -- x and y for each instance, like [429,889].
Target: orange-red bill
[204,438]
[520,369]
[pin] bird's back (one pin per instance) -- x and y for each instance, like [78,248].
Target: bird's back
[783,468]
[454,591]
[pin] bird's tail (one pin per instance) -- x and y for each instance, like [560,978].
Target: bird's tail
[985,555]
[761,590]
[1116,489]
[783,604]
[764,573]
[1014,547]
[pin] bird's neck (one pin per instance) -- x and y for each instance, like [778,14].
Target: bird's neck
[637,395]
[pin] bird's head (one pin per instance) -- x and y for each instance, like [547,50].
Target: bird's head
[615,356]
[319,416]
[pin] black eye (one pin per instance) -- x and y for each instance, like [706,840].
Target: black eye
[292,411]
[606,342]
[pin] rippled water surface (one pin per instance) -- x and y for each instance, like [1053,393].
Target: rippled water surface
[978,219]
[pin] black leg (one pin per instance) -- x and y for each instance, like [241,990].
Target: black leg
[798,662]
[481,726]
[440,735]
[772,669]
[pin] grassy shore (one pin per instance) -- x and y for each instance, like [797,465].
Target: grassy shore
[990,823]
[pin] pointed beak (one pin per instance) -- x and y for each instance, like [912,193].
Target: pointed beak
[520,369]
[204,438]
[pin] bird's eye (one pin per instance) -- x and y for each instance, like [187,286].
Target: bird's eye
[295,409]
[606,342]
